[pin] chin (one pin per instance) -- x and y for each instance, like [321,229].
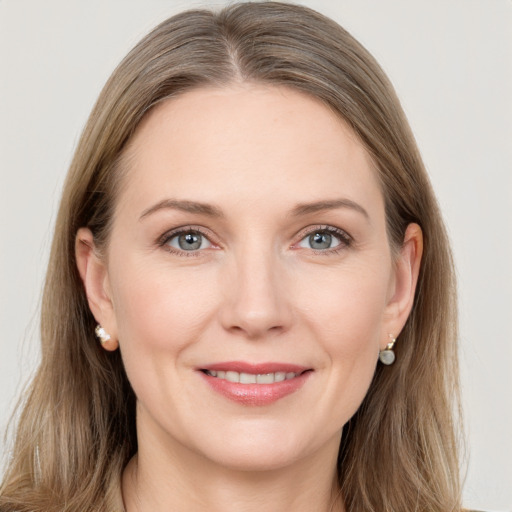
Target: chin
[263,459]
[260,449]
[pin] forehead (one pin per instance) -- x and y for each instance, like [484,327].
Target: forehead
[250,140]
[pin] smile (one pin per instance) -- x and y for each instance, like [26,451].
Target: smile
[251,378]
[255,384]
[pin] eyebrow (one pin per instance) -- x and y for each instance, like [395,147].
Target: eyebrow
[213,211]
[184,206]
[318,206]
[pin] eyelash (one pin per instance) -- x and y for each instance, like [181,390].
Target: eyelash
[164,240]
[344,238]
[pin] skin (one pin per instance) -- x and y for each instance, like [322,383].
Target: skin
[255,291]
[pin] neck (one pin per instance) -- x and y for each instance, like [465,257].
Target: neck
[156,480]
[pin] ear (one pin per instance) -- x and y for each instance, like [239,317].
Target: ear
[406,271]
[94,275]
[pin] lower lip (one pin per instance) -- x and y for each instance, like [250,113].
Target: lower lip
[256,394]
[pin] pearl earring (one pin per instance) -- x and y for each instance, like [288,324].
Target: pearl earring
[101,334]
[387,356]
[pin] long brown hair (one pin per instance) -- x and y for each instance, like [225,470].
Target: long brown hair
[76,431]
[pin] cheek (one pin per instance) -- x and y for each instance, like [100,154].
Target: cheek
[159,312]
[159,308]
[346,313]
[348,305]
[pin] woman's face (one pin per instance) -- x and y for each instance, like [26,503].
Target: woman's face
[249,243]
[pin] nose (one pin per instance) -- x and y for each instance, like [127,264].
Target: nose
[257,302]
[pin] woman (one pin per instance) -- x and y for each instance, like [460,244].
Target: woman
[250,299]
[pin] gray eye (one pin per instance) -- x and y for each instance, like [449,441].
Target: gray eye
[320,240]
[189,241]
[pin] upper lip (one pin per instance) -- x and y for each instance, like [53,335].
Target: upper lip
[255,368]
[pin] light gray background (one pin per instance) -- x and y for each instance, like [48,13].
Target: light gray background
[451,62]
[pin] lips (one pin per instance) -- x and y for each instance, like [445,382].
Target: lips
[251,378]
[255,384]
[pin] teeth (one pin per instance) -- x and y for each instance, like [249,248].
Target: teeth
[233,376]
[250,378]
[267,378]
[279,376]
[247,378]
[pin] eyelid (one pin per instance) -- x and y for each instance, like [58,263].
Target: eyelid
[163,240]
[344,237]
